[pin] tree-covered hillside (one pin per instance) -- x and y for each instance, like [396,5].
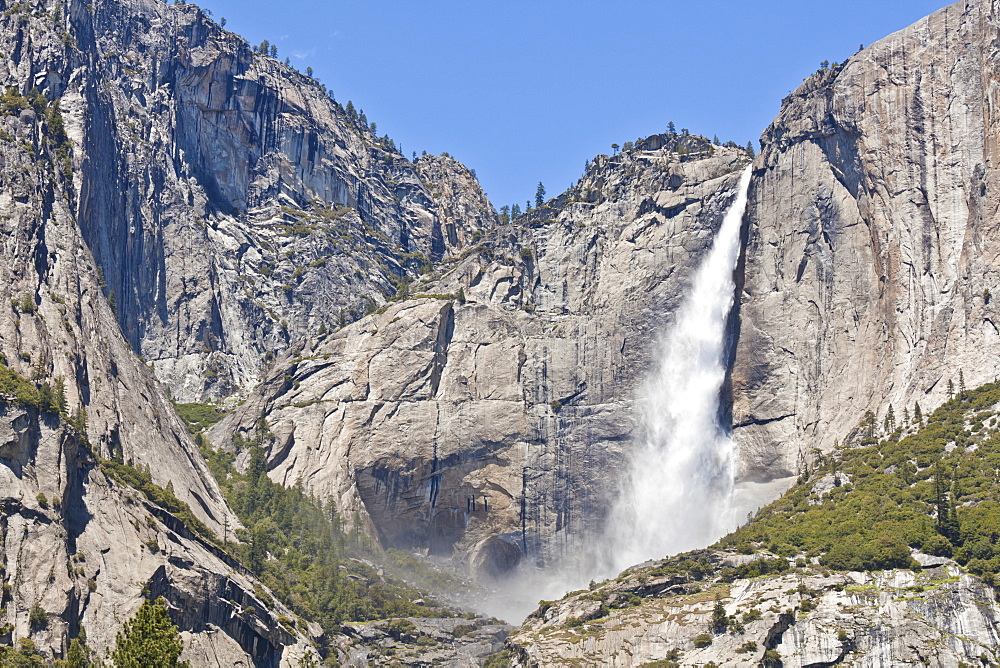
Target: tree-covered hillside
[931,483]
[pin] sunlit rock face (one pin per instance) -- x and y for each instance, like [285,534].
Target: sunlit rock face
[491,420]
[872,241]
[939,617]
[232,205]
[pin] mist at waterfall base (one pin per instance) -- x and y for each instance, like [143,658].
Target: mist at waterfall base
[679,493]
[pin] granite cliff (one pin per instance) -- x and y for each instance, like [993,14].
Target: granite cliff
[183,215]
[78,546]
[871,241]
[231,203]
[466,418]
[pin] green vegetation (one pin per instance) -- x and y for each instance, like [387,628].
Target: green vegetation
[198,417]
[149,639]
[37,618]
[539,195]
[298,548]
[25,656]
[140,479]
[931,485]
[16,389]
[501,659]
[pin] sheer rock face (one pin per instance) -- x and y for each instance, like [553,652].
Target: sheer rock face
[83,548]
[232,205]
[490,420]
[871,251]
[940,617]
[72,542]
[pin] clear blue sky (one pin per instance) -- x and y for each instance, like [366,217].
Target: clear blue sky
[528,91]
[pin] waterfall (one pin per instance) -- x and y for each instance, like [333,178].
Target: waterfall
[678,495]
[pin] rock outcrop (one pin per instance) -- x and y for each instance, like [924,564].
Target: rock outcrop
[938,617]
[471,420]
[871,245]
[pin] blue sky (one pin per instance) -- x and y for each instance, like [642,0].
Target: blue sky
[524,92]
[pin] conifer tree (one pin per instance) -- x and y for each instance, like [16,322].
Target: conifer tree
[78,654]
[539,195]
[940,499]
[149,639]
[869,425]
[917,415]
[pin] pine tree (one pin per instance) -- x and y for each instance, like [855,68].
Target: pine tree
[59,395]
[720,622]
[671,128]
[515,211]
[149,639]
[504,214]
[869,425]
[309,72]
[78,654]
[750,149]
[941,499]
[917,415]
[614,148]
[961,382]
[539,195]
[951,389]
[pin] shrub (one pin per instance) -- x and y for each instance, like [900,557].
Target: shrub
[937,545]
[37,618]
[463,630]
[703,640]
[401,627]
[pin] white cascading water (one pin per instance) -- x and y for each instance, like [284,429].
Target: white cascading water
[679,492]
